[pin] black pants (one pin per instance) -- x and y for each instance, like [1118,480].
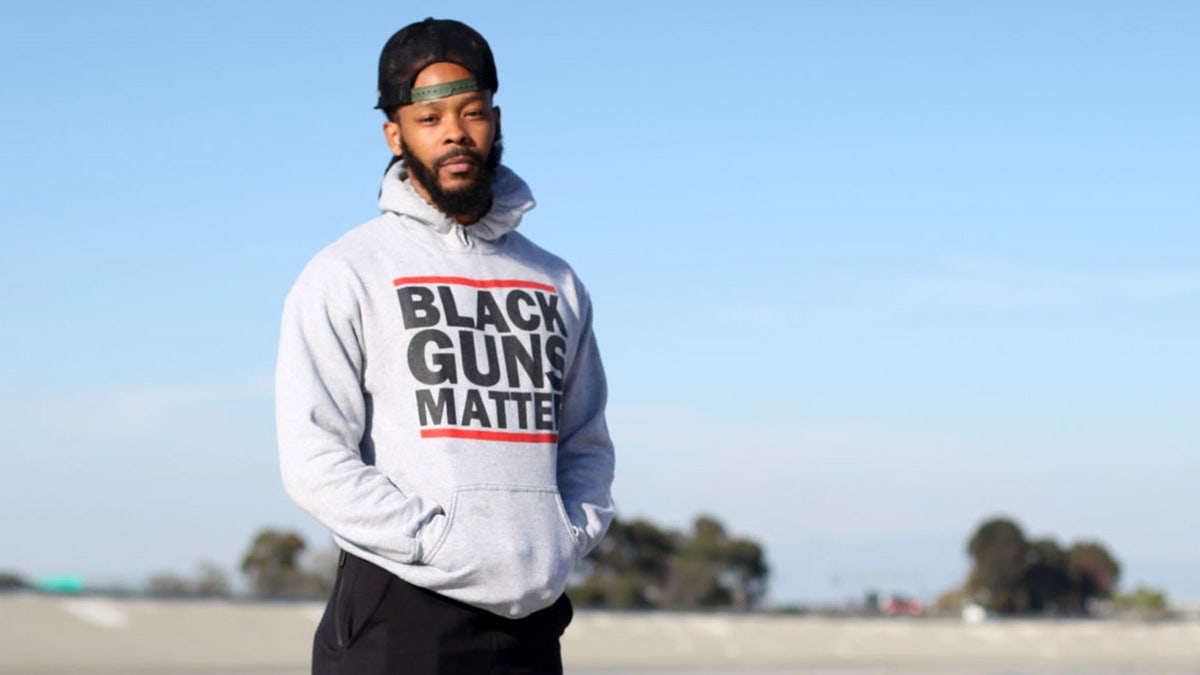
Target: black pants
[376,623]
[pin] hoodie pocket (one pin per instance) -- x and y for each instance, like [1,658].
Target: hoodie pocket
[515,541]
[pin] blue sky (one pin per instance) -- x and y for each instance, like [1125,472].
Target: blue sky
[866,273]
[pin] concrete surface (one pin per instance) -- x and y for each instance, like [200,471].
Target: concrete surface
[53,635]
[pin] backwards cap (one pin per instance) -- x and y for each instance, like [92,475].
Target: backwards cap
[416,46]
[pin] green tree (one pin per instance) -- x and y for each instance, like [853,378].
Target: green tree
[1093,571]
[1013,575]
[693,575]
[629,566]
[1143,601]
[639,564]
[12,581]
[168,584]
[746,572]
[712,569]
[996,581]
[1047,583]
[273,567]
[210,582]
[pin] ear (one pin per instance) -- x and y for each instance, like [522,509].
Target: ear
[391,133]
[496,118]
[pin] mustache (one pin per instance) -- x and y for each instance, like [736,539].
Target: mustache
[455,154]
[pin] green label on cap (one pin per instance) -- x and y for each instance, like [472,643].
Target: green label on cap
[444,89]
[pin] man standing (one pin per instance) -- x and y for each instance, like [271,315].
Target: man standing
[439,395]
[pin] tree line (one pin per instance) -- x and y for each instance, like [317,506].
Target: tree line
[1013,574]
[642,565]
[637,565]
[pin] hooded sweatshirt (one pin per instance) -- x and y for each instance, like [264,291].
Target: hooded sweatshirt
[440,401]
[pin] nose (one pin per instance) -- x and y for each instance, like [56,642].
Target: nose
[456,132]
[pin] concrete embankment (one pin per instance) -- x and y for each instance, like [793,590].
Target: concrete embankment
[53,635]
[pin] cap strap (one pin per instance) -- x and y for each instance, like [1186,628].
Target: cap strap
[443,90]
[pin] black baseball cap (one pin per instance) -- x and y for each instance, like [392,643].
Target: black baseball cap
[418,45]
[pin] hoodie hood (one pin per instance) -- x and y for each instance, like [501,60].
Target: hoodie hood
[511,199]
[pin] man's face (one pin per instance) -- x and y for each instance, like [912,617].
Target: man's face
[449,144]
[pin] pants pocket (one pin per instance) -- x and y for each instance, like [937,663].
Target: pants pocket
[359,590]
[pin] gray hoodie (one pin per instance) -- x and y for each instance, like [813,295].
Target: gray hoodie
[440,401]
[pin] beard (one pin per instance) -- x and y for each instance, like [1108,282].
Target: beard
[475,198]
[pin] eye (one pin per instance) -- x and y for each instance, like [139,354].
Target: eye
[427,119]
[474,114]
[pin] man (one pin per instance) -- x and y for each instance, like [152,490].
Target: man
[439,395]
